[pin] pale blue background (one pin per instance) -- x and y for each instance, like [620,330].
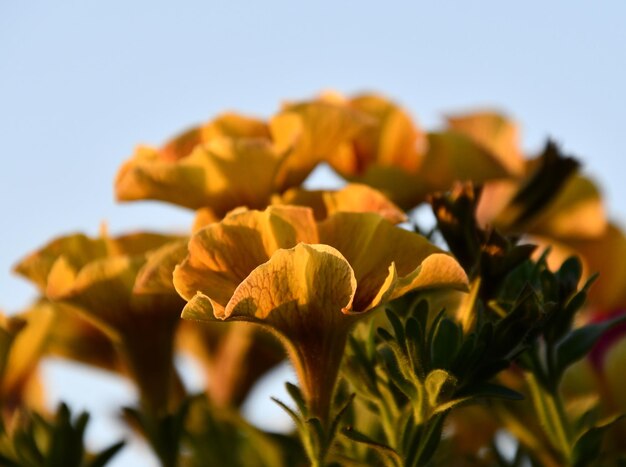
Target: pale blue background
[82,82]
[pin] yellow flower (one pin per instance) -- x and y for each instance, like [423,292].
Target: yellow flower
[316,131]
[227,163]
[234,160]
[233,356]
[390,153]
[306,281]
[96,277]
[351,198]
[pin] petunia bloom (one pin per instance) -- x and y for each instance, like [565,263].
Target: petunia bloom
[96,278]
[233,356]
[392,154]
[306,281]
[353,197]
[236,160]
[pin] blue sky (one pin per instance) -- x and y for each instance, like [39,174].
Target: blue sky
[83,82]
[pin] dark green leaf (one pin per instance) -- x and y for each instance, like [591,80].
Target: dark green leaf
[587,448]
[385,452]
[103,457]
[445,344]
[580,341]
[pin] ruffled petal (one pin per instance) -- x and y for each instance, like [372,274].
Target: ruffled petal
[223,254]
[352,198]
[299,289]
[378,251]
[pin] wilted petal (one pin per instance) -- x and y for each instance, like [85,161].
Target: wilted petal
[377,251]
[352,198]
[223,254]
[314,132]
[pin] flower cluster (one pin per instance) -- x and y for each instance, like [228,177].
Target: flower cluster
[270,268]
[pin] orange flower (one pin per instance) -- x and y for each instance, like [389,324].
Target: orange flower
[234,160]
[306,281]
[390,153]
[96,278]
[233,356]
[351,198]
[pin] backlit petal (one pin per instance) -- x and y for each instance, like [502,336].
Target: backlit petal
[298,288]
[352,198]
[223,254]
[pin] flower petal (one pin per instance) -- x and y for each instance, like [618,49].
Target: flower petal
[156,276]
[103,290]
[221,175]
[78,250]
[223,254]
[234,125]
[352,198]
[453,157]
[372,245]
[394,140]
[300,289]
[314,132]
[496,133]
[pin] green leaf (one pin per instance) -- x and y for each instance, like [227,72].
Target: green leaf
[332,430]
[550,418]
[580,341]
[397,326]
[395,374]
[429,441]
[569,275]
[296,395]
[445,344]
[416,346]
[588,446]
[294,416]
[385,452]
[104,456]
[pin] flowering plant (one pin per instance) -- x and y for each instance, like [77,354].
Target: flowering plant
[412,345]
